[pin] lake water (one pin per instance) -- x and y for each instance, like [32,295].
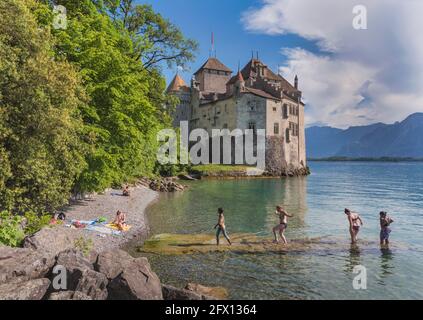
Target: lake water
[317,202]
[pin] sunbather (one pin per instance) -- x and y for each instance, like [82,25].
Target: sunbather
[120,220]
[126,192]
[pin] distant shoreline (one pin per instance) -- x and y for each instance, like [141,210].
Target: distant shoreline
[365,159]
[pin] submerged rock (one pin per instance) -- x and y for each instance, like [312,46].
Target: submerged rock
[219,293]
[173,293]
[26,290]
[175,244]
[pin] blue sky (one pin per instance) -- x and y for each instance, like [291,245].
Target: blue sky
[199,18]
[348,76]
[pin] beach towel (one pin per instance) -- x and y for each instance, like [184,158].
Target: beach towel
[103,230]
[86,222]
[115,227]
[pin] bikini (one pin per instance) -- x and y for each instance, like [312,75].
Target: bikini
[355,227]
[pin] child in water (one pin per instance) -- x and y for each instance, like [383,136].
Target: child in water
[385,222]
[221,227]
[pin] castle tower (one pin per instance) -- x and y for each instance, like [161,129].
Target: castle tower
[213,76]
[179,88]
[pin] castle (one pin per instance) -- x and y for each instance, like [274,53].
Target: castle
[254,98]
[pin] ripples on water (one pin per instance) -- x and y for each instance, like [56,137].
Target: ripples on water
[317,203]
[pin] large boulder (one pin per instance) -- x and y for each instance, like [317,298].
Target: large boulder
[69,295]
[51,240]
[26,290]
[130,278]
[80,275]
[18,264]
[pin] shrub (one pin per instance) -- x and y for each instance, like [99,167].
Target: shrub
[11,232]
[35,222]
[84,245]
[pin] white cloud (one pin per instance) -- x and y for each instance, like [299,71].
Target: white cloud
[369,75]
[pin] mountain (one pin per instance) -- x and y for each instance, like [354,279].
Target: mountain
[401,139]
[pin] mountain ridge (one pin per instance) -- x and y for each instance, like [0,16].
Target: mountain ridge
[401,139]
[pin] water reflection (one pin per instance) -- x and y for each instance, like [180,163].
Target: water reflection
[386,265]
[353,259]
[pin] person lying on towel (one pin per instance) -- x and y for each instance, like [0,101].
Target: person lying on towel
[120,220]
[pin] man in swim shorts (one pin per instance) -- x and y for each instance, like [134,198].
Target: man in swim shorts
[221,228]
[283,224]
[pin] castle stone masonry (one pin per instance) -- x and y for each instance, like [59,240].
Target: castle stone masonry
[254,98]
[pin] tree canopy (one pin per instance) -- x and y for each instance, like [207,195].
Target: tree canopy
[80,107]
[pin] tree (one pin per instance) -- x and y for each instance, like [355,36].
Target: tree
[41,151]
[156,40]
[120,118]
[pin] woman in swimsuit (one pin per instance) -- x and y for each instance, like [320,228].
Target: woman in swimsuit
[283,224]
[355,223]
[120,220]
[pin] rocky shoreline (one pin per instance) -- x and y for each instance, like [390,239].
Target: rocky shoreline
[105,271]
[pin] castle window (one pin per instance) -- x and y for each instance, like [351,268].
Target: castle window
[274,109]
[276,128]
[225,126]
[252,106]
[285,111]
[252,125]
[288,136]
[226,108]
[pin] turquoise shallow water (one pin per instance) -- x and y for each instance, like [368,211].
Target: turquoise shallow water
[317,202]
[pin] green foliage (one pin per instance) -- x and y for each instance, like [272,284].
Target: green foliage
[11,233]
[35,222]
[156,40]
[219,168]
[84,245]
[80,107]
[40,146]
[120,119]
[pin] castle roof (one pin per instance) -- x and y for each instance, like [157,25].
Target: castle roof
[251,69]
[214,64]
[177,84]
[260,93]
[236,78]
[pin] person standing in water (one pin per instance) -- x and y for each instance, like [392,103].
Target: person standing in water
[355,223]
[283,224]
[221,227]
[385,222]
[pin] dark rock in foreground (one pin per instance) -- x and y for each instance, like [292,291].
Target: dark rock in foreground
[26,290]
[20,264]
[130,278]
[69,295]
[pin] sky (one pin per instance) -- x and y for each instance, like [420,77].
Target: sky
[348,76]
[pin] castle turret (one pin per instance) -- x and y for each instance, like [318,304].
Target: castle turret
[179,88]
[213,76]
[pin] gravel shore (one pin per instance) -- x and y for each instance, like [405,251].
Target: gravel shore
[59,238]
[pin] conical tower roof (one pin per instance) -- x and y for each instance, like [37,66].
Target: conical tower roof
[177,84]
